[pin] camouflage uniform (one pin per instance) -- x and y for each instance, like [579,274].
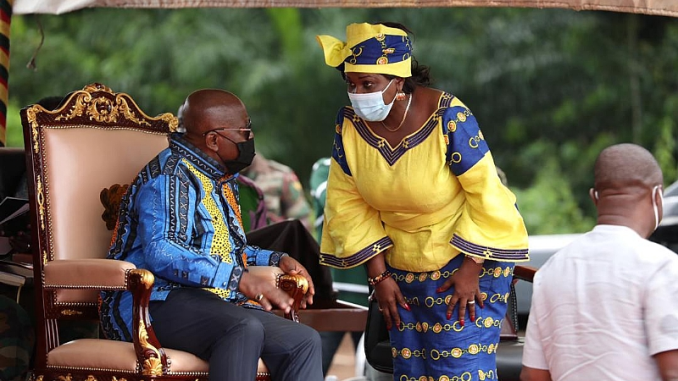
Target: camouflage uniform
[252,206]
[283,193]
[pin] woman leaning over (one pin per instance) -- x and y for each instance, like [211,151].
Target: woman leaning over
[413,192]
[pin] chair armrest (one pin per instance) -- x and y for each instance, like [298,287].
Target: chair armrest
[104,274]
[295,286]
[150,354]
[525,273]
[108,274]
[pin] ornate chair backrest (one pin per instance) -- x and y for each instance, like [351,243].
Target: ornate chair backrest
[94,139]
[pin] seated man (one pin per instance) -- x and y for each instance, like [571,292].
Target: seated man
[180,219]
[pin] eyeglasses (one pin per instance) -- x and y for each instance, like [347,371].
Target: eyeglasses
[247,129]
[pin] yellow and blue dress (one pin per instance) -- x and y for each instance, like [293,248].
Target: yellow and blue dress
[426,203]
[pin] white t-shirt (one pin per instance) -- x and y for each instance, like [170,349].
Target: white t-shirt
[602,306]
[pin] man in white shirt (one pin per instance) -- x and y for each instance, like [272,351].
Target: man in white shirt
[606,306]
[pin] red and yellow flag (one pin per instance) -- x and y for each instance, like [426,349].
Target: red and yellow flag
[5,20]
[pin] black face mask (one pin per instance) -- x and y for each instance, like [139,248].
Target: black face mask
[245,156]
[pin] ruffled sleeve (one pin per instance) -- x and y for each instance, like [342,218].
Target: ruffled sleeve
[490,225]
[352,230]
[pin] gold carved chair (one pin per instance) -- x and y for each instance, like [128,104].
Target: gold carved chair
[95,139]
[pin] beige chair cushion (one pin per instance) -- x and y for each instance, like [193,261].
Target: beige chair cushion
[94,353]
[106,273]
[119,356]
[102,157]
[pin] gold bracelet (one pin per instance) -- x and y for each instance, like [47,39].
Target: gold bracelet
[379,278]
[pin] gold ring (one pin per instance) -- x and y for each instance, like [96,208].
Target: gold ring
[259,297]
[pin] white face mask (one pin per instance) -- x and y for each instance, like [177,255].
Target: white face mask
[371,106]
[657,218]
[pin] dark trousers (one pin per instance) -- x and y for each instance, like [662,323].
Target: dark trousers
[232,338]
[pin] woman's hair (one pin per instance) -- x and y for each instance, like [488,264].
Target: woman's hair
[421,75]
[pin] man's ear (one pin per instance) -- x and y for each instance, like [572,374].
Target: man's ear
[211,142]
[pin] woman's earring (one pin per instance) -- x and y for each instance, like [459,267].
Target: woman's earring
[401,96]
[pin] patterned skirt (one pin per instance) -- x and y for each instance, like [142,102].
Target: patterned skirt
[429,347]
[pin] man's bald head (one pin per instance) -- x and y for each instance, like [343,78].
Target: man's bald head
[207,109]
[627,180]
[626,167]
[216,122]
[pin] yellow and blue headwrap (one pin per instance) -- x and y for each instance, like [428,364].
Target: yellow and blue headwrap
[370,48]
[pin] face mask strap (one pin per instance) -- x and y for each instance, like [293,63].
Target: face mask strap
[226,137]
[373,94]
[245,150]
[594,193]
[654,204]
[387,86]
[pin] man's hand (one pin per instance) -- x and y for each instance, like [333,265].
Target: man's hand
[265,293]
[292,267]
[668,364]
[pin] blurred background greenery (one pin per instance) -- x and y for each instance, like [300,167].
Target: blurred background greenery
[550,88]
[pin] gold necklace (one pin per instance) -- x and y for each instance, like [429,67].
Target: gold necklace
[409,101]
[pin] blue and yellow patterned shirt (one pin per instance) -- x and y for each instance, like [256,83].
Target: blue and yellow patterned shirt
[180,219]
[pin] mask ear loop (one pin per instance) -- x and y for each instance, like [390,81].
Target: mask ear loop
[593,193]
[654,204]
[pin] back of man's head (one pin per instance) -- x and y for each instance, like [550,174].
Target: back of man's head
[627,188]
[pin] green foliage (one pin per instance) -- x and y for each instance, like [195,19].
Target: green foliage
[550,88]
[551,192]
[664,149]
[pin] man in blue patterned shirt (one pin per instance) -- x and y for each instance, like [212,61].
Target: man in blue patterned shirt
[181,220]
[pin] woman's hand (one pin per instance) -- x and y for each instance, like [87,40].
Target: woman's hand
[291,266]
[466,290]
[389,297]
